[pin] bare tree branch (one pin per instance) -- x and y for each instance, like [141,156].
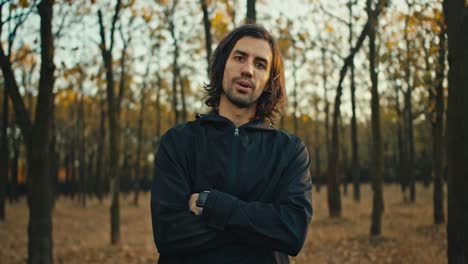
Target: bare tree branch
[334,16]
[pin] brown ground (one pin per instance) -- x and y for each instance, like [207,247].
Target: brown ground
[81,235]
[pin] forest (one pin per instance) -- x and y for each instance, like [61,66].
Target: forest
[377,90]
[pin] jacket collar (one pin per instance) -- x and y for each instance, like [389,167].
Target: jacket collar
[214,117]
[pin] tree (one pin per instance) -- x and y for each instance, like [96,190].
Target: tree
[36,135]
[207,26]
[377,154]
[355,166]
[456,20]
[113,120]
[334,197]
[251,16]
[4,155]
[169,17]
[438,128]
[409,110]
[138,159]
[333,191]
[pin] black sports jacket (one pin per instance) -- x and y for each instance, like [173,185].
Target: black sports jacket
[260,203]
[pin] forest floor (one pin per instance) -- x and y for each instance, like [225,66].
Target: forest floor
[81,235]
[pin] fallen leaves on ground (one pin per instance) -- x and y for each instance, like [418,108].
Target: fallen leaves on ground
[82,234]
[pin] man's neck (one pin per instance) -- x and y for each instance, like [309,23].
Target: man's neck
[238,116]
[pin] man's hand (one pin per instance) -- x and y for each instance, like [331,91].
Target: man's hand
[192,204]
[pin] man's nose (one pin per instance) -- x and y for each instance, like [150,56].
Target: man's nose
[247,69]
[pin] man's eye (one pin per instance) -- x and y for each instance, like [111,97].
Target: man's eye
[239,58]
[261,66]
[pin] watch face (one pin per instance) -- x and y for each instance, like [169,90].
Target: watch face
[202,199]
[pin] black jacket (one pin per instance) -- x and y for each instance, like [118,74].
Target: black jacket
[260,203]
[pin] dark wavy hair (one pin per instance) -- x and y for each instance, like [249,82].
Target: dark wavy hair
[272,100]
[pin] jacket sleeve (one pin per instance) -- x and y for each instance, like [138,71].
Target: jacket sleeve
[281,225]
[175,229]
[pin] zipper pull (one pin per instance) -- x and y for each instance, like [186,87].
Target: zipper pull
[236,132]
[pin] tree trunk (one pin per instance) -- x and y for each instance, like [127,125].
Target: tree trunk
[344,159]
[410,167]
[355,166]
[175,65]
[100,171]
[294,114]
[113,126]
[54,155]
[81,144]
[158,114]
[14,196]
[251,17]
[40,243]
[73,173]
[334,198]
[317,149]
[207,26]
[139,144]
[438,128]
[327,103]
[401,145]
[182,81]
[409,111]
[456,19]
[4,155]
[377,155]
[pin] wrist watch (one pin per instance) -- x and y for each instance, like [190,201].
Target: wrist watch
[202,198]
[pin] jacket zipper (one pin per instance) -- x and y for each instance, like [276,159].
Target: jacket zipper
[231,183]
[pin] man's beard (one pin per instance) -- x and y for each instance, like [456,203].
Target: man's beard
[239,100]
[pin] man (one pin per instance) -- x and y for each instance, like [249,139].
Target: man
[228,187]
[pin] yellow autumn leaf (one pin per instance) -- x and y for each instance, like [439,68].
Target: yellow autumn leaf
[146,14]
[133,11]
[390,44]
[24,3]
[219,24]
[218,18]
[328,28]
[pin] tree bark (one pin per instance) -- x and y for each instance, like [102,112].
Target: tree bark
[100,171]
[456,19]
[295,103]
[81,143]
[317,148]
[327,103]
[438,128]
[158,114]
[182,98]
[207,26]
[14,196]
[139,142]
[402,178]
[333,191]
[40,244]
[377,155]
[334,198]
[355,166]
[175,66]
[409,111]
[343,164]
[4,155]
[251,17]
[113,125]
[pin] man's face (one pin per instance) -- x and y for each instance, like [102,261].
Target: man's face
[247,71]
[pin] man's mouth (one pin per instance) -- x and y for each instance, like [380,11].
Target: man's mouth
[244,83]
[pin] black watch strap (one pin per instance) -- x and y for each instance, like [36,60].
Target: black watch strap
[202,198]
